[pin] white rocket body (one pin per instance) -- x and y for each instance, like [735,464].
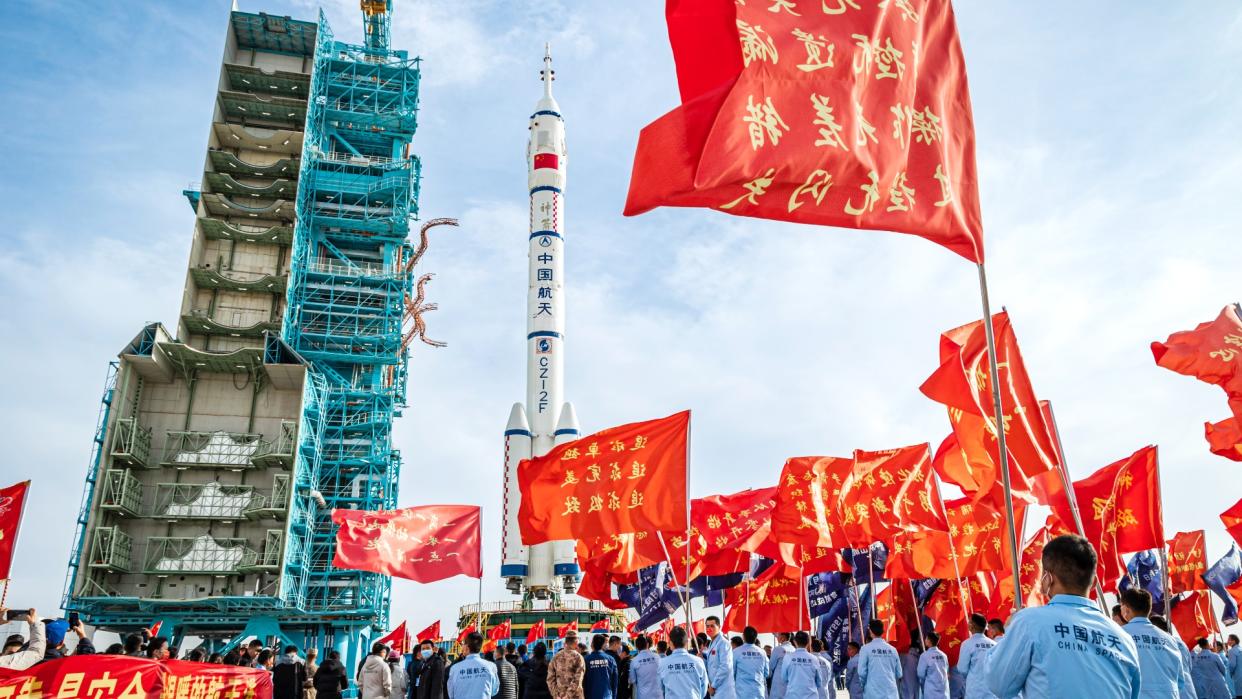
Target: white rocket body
[543,422]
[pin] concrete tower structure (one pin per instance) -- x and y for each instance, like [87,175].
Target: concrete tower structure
[221,448]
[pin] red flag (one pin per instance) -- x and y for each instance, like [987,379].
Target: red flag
[1120,508]
[733,523]
[631,628]
[502,631]
[624,479]
[424,544]
[1031,571]
[117,676]
[431,633]
[566,628]
[12,502]
[600,626]
[398,640]
[1193,616]
[597,585]
[773,125]
[1212,353]
[155,628]
[806,501]
[777,601]
[964,384]
[975,541]
[1187,561]
[1232,519]
[890,491]
[538,632]
[1224,438]
[895,607]
[470,628]
[621,554]
[948,612]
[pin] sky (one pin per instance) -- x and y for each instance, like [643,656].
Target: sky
[1110,170]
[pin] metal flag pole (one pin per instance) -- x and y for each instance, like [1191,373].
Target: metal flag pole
[689,599]
[999,429]
[1164,547]
[1067,484]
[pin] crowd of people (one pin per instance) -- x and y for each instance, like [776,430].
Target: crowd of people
[1066,648]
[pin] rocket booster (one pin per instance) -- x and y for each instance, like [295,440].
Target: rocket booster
[544,421]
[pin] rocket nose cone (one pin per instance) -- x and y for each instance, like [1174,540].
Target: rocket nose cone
[568,419]
[517,418]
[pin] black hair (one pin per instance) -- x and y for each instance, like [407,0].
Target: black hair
[662,647]
[115,649]
[978,621]
[291,648]
[264,656]
[334,655]
[598,641]
[736,641]
[541,650]
[854,645]
[1071,560]
[133,643]
[817,646]
[933,638]
[156,643]
[750,634]
[997,624]
[474,642]
[641,642]
[876,627]
[1159,622]
[1137,599]
[802,639]
[677,637]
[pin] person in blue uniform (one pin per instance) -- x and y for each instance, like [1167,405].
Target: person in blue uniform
[1067,648]
[827,688]
[719,660]
[776,684]
[644,672]
[682,675]
[910,667]
[879,665]
[473,677]
[600,679]
[972,658]
[1208,672]
[1233,661]
[933,669]
[1163,624]
[1161,666]
[750,667]
[852,685]
[801,670]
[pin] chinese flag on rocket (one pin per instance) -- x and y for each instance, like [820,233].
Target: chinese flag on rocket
[1187,561]
[12,502]
[825,113]
[423,544]
[624,479]
[1212,353]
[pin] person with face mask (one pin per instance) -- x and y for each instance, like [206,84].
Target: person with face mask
[429,683]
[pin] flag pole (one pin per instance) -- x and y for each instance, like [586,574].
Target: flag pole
[964,600]
[1068,485]
[999,429]
[689,543]
[1164,544]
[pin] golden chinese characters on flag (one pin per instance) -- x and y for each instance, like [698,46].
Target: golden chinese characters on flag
[624,479]
[890,491]
[1187,557]
[806,501]
[848,114]
[424,544]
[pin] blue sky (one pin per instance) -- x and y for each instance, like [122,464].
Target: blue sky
[1111,167]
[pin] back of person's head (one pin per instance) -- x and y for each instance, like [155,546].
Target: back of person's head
[156,645]
[933,639]
[614,640]
[232,658]
[290,649]
[852,646]
[736,641]
[876,628]
[541,650]
[264,656]
[378,648]
[1116,610]
[1202,643]
[677,637]
[1138,601]
[511,648]
[817,646]
[1160,622]
[598,641]
[750,634]
[1233,638]
[114,649]
[474,642]
[915,641]
[702,640]
[996,626]
[801,639]
[641,642]
[977,623]
[196,656]
[1070,560]
[334,655]
[662,647]
[133,643]
[571,640]
[215,659]
[782,637]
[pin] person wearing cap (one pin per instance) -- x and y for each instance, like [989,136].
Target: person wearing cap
[56,630]
[566,670]
[19,655]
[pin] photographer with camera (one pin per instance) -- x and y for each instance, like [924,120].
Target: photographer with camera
[18,654]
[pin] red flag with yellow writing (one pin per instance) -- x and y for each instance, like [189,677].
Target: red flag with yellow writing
[1193,616]
[1187,561]
[1232,519]
[895,607]
[1224,438]
[777,602]
[947,609]
[851,116]
[806,501]
[1031,571]
[12,503]
[621,554]
[624,479]
[1212,353]
[424,544]
[888,492]
[974,541]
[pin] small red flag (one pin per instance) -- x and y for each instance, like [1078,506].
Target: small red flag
[773,126]
[470,628]
[424,544]
[948,609]
[155,628]
[1212,353]
[600,626]
[624,479]
[974,542]
[597,585]
[431,633]
[895,607]
[777,601]
[538,632]
[1187,561]
[564,629]
[1224,438]
[890,491]
[1193,616]
[398,640]
[502,631]
[1232,518]
[12,502]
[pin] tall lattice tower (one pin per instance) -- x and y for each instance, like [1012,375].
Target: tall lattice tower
[220,452]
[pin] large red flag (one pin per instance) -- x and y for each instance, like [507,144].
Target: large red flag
[424,544]
[398,640]
[1232,518]
[732,523]
[1224,438]
[888,492]
[624,479]
[12,502]
[806,501]
[120,677]
[1187,561]
[1212,353]
[1193,616]
[431,633]
[858,118]
[538,632]
[621,554]
[777,602]
[597,585]
[964,384]
[974,542]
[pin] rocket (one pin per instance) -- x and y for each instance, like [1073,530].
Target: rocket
[549,569]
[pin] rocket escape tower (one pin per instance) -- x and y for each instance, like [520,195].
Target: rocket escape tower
[220,453]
